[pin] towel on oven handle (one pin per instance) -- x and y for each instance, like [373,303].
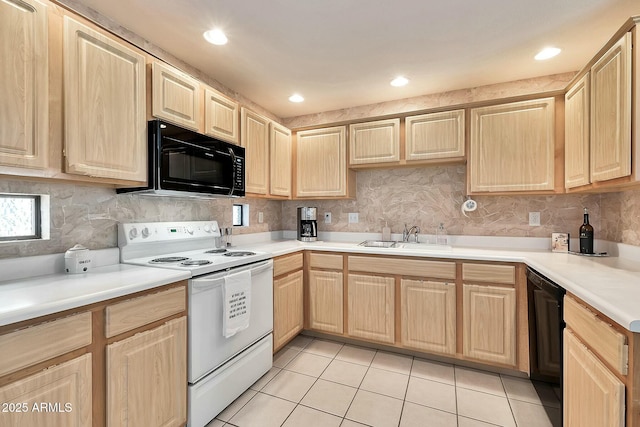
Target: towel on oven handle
[236,296]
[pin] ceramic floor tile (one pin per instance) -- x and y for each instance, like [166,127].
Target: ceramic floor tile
[432,393]
[473,379]
[345,373]
[349,423]
[434,371]
[289,385]
[530,391]
[215,423]
[284,356]
[375,409]
[236,405]
[532,415]
[418,416]
[308,364]
[307,417]
[468,422]
[353,354]
[300,342]
[384,382]
[392,362]
[257,386]
[264,411]
[484,407]
[329,397]
[323,348]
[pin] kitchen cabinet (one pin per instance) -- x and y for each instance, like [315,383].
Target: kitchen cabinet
[221,116]
[255,140]
[374,142]
[512,147]
[288,298]
[326,293]
[576,128]
[371,307]
[104,105]
[24,89]
[280,160]
[321,164]
[432,300]
[435,136]
[176,96]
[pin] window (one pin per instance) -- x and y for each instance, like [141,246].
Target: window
[24,217]
[240,215]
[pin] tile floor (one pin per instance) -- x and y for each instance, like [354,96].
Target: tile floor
[320,383]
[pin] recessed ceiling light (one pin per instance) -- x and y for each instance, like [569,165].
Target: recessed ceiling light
[399,81]
[296,98]
[216,37]
[546,53]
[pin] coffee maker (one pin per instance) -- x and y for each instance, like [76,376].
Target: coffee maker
[307,224]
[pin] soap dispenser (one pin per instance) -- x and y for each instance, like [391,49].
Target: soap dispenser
[441,235]
[386,232]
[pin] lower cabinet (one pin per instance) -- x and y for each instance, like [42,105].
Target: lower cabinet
[371,312]
[428,315]
[147,376]
[288,318]
[326,301]
[593,395]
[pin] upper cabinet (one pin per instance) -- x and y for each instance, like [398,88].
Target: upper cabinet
[513,147]
[280,160]
[24,77]
[435,136]
[255,140]
[321,164]
[104,104]
[576,134]
[176,97]
[374,142]
[221,116]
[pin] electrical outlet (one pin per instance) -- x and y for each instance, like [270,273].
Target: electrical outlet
[534,218]
[327,217]
[353,218]
[260,217]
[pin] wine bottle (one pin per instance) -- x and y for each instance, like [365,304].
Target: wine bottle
[586,235]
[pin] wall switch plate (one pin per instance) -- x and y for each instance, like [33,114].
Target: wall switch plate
[260,217]
[534,218]
[353,217]
[327,217]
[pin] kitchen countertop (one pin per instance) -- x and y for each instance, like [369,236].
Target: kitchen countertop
[610,284]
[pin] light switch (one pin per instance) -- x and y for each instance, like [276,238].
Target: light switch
[260,217]
[327,217]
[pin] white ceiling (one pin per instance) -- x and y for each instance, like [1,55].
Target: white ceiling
[343,53]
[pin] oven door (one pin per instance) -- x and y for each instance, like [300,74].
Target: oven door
[208,348]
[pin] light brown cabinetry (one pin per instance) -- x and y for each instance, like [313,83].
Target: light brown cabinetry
[513,147]
[255,140]
[104,105]
[176,97]
[374,142]
[288,299]
[435,136]
[576,139]
[321,164]
[280,161]
[221,116]
[326,293]
[371,307]
[24,89]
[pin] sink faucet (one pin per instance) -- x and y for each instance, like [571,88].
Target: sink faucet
[406,233]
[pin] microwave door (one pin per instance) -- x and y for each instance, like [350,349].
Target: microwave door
[193,168]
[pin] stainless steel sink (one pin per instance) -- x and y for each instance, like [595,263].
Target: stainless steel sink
[423,246]
[378,244]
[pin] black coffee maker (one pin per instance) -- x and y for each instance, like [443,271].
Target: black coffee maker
[307,224]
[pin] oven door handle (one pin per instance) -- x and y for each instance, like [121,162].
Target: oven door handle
[218,278]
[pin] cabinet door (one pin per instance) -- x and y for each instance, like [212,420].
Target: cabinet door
[147,377]
[512,147]
[176,96]
[321,163]
[104,102]
[221,117]
[489,323]
[255,140]
[592,395]
[437,301]
[576,134]
[611,113]
[374,142]
[326,301]
[280,163]
[435,136]
[24,77]
[59,396]
[371,307]
[288,303]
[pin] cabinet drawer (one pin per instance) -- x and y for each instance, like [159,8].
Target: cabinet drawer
[45,341]
[494,273]
[137,312]
[404,267]
[287,263]
[334,262]
[600,336]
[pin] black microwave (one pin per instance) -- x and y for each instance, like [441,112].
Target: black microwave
[184,163]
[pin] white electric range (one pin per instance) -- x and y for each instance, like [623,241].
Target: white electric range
[220,369]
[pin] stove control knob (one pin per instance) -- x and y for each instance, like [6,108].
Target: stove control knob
[207,228]
[146,233]
[133,233]
[189,229]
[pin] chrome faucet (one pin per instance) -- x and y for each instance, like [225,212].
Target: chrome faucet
[406,233]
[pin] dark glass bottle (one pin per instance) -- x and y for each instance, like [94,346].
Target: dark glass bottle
[586,235]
